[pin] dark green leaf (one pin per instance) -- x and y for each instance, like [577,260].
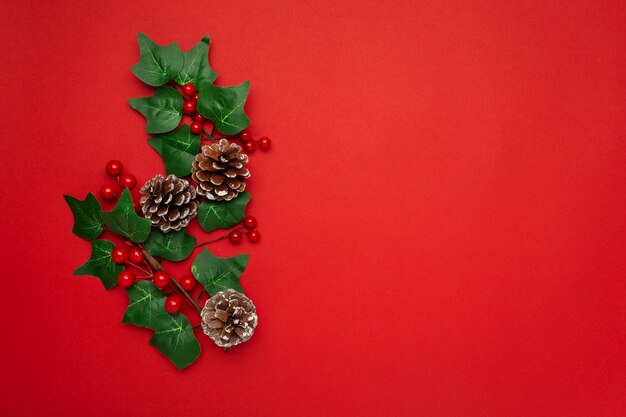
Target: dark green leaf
[157,64]
[178,150]
[222,214]
[123,220]
[100,264]
[173,246]
[224,106]
[145,304]
[87,219]
[175,339]
[196,68]
[162,111]
[217,274]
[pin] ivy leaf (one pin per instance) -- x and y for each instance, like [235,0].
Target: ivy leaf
[178,150]
[217,274]
[196,68]
[173,246]
[100,264]
[224,106]
[123,220]
[163,111]
[173,335]
[87,219]
[222,214]
[157,64]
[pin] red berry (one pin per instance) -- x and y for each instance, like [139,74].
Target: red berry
[126,279]
[173,303]
[250,146]
[161,279]
[195,96]
[235,236]
[199,118]
[128,181]
[119,255]
[189,106]
[114,167]
[135,256]
[245,136]
[108,192]
[189,90]
[188,282]
[265,143]
[249,222]
[254,236]
[196,128]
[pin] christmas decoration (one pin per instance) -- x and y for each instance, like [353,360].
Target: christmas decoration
[199,129]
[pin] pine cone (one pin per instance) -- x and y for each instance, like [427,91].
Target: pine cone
[170,203]
[219,171]
[229,318]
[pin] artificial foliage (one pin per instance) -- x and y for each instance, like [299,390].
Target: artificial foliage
[199,131]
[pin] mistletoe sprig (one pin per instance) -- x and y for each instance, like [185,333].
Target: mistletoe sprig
[204,183]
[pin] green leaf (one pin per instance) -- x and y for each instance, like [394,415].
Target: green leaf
[173,335]
[123,220]
[163,111]
[224,106]
[100,264]
[157,64]
[196,68]
[178,150]
[217,274]
[222,214]
[87,219]
[173,246]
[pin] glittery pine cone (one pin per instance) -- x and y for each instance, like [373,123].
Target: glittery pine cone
[219,171]
[170,203]
[229,318]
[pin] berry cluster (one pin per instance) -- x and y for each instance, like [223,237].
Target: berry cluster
[250,144]
[110,191]
[249,222]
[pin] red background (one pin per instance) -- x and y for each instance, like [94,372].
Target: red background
[442,212]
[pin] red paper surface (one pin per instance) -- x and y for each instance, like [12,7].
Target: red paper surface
[442,212]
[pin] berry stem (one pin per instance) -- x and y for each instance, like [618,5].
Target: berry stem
[209,135]
[217,239]
[158,267]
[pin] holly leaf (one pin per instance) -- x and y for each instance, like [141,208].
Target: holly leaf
[217,274]
[123,220]
[224,106]
[196,67]
[178,150]
[173,246]
[173,335]
[87,219]
[163,111]
[100,264]
[222,214]
[157,64]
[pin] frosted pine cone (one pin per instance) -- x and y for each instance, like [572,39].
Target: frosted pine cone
[219,171]
[170,203]
[229,318]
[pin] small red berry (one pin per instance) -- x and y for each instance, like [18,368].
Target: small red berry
[196,128]
[189,106]
[114,167]
[188,282]
[189,90]
[128,181]
[199,118]
[195,97]
[108,192]
[245,136]
[265,143]
[250,146]
[161,279]
[173,303]
[135,256]
[126,279]
[254,236]
[235,236]
[249,222]
[119,255]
